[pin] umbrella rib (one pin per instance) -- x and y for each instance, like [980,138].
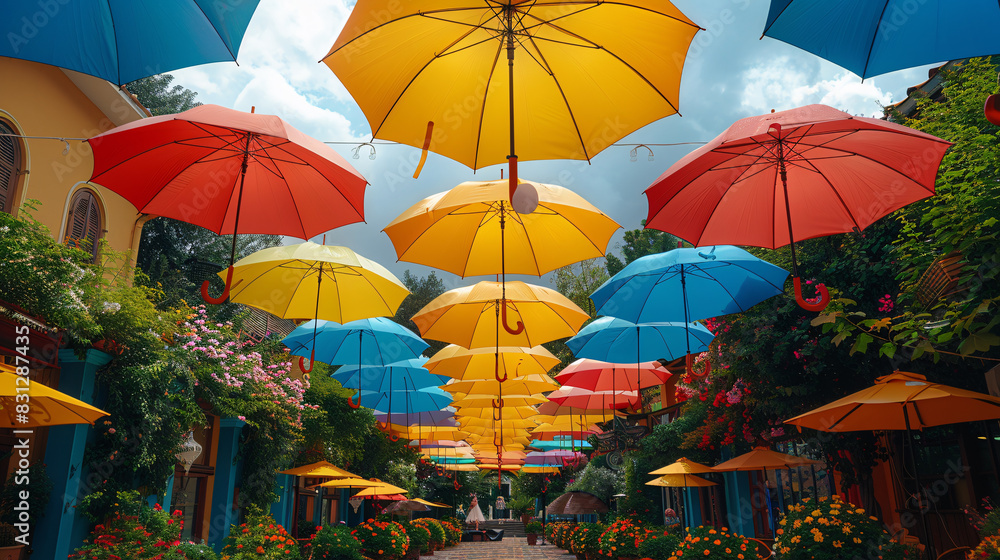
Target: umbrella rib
[422,233]
[482,111]
[562,93]
[399,19]
[218,33]
[878,26]
[844,417]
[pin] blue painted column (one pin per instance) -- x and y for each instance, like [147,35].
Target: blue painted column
[692,507]
[224,489]
[739,503]
[62,530]
[281,510]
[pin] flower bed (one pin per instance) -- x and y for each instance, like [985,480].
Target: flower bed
[622,539]
[438,536]
[584,540]
[718,544]
[830,529]
[259,538]
[381,540]
[334,542]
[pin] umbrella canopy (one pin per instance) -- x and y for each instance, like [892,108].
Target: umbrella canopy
[405,506]
[683,466]
[530,469]
[431,504]
[123,41]
[901,401]
[486,400]
[371,342]
[478,363]
[551,410]
[576,503]
[762,458]
[320,469]
[563,444]
[514,386]
[405,375]
[49,407]
[380,489]
[680,481]
[604,376]
[460,468]
[505,413]
[881,37]
[351,483]
[312,281]
[771,180]
[688,285]
[585,398]
[467,316]
[617,340]
[573,63]
[426,419]
[464,230]
[211,166]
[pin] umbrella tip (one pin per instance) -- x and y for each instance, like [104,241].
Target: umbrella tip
[772,111]
[254,108]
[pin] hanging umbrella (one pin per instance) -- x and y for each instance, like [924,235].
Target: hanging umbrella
[497,414]
[380,490]
[405,375]
[603,376]
[124,41]
[585,398]
[575,63]
[406,401]
[617,340]
[213,167]
[49,407]
[526,385]
[771,180]
[462,363]
[288,281]
[472,230]
[429,419]
[405,507]
[560,444]
[540,470]
[487,399]
[319,469]
[683,466]
[689,285]
[680,481]
[881,37]
[576,503]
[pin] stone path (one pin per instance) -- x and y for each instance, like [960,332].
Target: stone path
[513,548]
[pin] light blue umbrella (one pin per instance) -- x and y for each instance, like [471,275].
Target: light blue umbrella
[368,342]
[124,40]
[688,285]
[610,339]
[874,37]
[559,443]
[406,401]
[404,375]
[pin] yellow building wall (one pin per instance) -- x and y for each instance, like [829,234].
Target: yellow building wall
[41,100]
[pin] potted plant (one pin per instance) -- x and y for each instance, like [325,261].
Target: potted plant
[334,542]
[438,537]
[420,540]
[451,532]
[10,548]
[533,528]
[523,507]
[260,537]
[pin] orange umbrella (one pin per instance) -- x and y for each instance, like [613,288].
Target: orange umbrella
[762,458]
[683,466]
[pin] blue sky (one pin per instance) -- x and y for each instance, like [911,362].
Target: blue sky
[730,73]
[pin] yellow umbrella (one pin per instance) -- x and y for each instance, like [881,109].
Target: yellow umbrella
[485,401]
[45,407]
[441,62]
[683,466]
[474,423]
[564,229]
[526,385]
[431,504]
[350,483]
[540,470]
[460,468]
[380,489]
[680,481]
[478,363]
[467,316]
[498,414]
[762,458]
[320,469]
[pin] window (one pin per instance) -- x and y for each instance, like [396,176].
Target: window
[10,167]
[84,227]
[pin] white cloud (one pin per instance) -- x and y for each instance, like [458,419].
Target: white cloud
[782,84]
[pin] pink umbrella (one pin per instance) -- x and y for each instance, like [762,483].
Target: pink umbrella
[585,398]
[603,376]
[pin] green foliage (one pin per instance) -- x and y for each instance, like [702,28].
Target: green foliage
[578,281]
[699,542]
[259,537]
[334,542]
[39,486]
[156,94]
[438,536]
[660,546]
[452,532]
[334,431]
[197,551]
[586,538]
[601,482]
[521,505]
[829,529]
[533,527]
[381,539]
[988,549]
[135,531]
[422,291]
[420,536]
[639,243]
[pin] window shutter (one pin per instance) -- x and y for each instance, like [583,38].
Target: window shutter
[9,158]
[84,225]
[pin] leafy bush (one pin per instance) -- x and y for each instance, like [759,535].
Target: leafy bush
[988,549]
[533,527]
[452,534]
[197,551]
[622,538]
[137,532]
[420,536]
[334,542]
[830,529]
[659,546]
[381,539]
[438,537]
[716,544]
[585,539]
[259,538]
[559,534]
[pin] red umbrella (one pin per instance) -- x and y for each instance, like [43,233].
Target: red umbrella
[771,180]
[603,376]
[583,398]
[213,167]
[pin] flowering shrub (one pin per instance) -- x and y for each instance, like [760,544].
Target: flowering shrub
[438,536]
[830,529]
[560,534]
[259,538]
[987,524]
[716,544]
[382,539]
[659,546]
[452,534]
[420,536]
[148,535]
[584,540]
[622,538]
[988,549]
[334,542]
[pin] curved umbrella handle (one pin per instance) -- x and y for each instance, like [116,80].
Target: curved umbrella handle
[312,362]
[689,367]
[497,416]
[225,292]
[503,316]
[822,299]
[350,401]
[456,484]
[496,373]
[393,437]
[498,403]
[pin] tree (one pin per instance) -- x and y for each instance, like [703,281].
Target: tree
[156,94]
[423,289]
[577,281]
[639,243]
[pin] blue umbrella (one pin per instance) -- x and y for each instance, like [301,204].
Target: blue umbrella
[403,401]
[369,342]
[124,40]
[560,444]
[432,418]
[874,37]
[616,340]
[404,375]
[688,285]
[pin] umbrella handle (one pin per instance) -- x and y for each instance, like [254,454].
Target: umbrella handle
[512,330]
[225,293]
[312,362]
[350,401]
[689,367]
[498,403]
[497,416]
[823,296]
[385,428]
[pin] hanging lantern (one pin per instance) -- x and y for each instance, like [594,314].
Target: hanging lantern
[189,452]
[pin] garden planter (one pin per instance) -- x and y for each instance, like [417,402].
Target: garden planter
[532,538]
[525,518]
[15,552]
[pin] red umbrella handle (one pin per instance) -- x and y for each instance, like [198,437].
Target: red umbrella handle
[512,330]
[350,401]
[689,367]
[822,299]
[312,362]
[225,292]
[498,403]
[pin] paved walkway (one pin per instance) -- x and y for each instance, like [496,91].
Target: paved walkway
[514,548]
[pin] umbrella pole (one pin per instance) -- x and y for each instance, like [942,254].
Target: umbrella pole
[916,477]
[236,226]
[512,158]
[312,355]
[689,359]
[361,336]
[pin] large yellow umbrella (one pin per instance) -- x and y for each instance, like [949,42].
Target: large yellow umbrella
[319,469]
[680,481]
[525,385]
[587,74]
[479,423]
[467,316]
[380,489]
[683,466]
[484,400]
[504,413]
[478,363]
[45,405]
[493,238]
